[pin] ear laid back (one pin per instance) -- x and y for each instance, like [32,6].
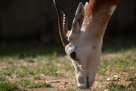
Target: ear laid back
[79,17]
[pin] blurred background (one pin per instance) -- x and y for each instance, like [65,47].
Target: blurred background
[35,21]
[32,57]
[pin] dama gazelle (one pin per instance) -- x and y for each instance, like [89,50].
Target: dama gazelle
[83,42]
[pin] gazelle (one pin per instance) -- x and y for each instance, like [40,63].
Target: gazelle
[83,42]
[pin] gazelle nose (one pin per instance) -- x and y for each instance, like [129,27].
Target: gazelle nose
[84,82]
[73,55]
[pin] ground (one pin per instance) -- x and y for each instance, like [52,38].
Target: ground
[47,68]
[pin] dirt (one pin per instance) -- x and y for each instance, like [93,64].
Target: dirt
[68,79]
[63,83]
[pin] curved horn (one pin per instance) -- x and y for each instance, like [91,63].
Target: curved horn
[63,24]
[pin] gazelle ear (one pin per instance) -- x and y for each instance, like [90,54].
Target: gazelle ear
[79,16]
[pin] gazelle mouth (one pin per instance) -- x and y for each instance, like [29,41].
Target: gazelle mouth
[87,81]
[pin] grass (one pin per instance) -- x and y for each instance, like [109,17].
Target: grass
[116,87]
[37,77]
[69,68]
[2,78]
[23,71]
[31,84]
[26,70]
[5,85]
[49,70]
[131,77]
[8,71]
[8,86]
[125,62]
[44,63]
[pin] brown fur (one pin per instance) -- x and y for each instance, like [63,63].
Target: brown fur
[95,5]
[99,10]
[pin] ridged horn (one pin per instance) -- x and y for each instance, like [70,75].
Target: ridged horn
[63,24]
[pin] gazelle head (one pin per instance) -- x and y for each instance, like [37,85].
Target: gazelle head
[82,47]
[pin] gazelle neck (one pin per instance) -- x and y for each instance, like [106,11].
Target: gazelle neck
[95,6]
[97,16]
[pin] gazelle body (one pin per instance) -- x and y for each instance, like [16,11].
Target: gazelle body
[83,42]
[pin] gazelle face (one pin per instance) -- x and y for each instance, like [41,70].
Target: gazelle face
[83,51]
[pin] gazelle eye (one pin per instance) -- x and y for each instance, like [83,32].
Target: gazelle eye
[73,55]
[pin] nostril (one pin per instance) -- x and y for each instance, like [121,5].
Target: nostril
[87,79]
[73,55]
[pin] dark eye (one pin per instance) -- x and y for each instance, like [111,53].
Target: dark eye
[73,55]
